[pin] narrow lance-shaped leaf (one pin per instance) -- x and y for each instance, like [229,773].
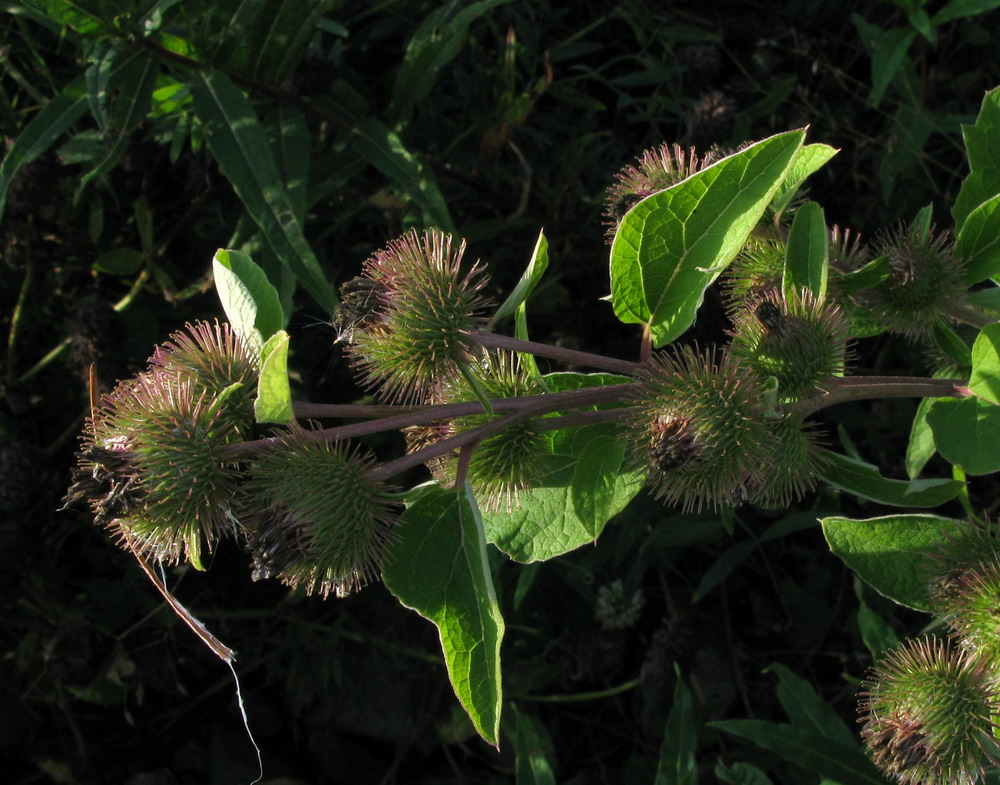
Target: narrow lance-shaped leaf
[274,395]
[888,56]
[807,710]
[434,44]
[39,135]
[384,150]
[864,481]
[239,145]
[529,280]
[533,751]
[807,253]
[437,565]
[134,81]
[672,245]
[677,764]
[843,765]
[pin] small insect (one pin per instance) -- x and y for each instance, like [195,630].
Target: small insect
[359,299]
[769,315]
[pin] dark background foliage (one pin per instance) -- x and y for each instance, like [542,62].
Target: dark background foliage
[522,128]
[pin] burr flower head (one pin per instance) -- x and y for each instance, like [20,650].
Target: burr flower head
[801,342]
[700,429]
[655,170]
[154,468]
[208,352]
[504,464]
[924,279]
[930,713]
[756,271]
[416,336]
[965,588]
[316,516]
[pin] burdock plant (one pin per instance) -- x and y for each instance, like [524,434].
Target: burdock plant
[315,516]
[415,335]
[930,713]
[539,463]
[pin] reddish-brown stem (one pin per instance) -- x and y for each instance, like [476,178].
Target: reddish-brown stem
[350,411]
[568,356]
[467,440]
[533,405]
[856,388]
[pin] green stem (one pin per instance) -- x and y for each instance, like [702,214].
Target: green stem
[581,696]
[15,321]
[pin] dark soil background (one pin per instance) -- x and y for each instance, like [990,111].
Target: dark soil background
[523,129]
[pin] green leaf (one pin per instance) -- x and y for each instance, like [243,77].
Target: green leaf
[437,566]
[958,9]
[265,39]
[807,710]
[133,82]
[546,522]
[921,447]
[593,488]
[923,221]
[274,395]
[888,55]
[987,298]
[866,277]
[289,138]
[807,253]
[250,302]
[889,553]
[39,135]
[864,481]
[951,345]
[877,635]
[384,150]
[75,15]
[433,45]
[967,432]
[982,145]
[808,159]
[736,554]
[742,774]
[240,147]
[533,751]
[677,764]
[977,246]
[529,280]
[844,765]
[119,261]
[985,378]
[672,245]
